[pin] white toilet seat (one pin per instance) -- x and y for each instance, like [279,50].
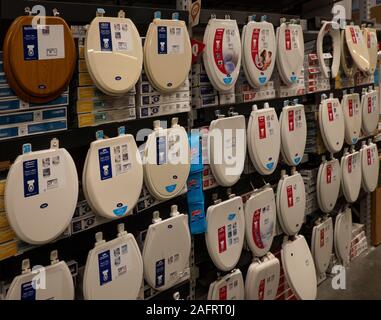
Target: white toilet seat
[370,166]
[166,161]
[167,64]
[222,53]
[328,185]
[370,111]
[293,132]
[322,245]
[263,137]
[114,269]
[262,279]
[357,47]
[260,221]
[291,203]
[113,191]
[331,29]
[370,36]
[351,175]
[225,233]
[114,54]
[343,235]
[299,268]
[346,61]
[352,117]
[166,250]
[258,42]
[229,287]
[331,123]
[42,209]
[227,140]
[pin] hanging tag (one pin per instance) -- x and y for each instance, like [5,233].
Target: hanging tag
[121,131]
[54,143]
[157,14]
[100,135]
[26,148]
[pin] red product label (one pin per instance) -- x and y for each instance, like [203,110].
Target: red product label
[217,50]
[329,173]
[287,38]
[353,34]
[330,111]
[350,107]
[223,293]
[369,105]
[291,121]
[369,42]
[290,197]
[256,229]
[262,127]
[369,154]
[350,165]
[321,238]
[261,290]
[222,239]
[255,47]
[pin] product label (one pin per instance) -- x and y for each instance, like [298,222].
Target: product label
[353,35]
[222,247]
[170,40]
[104,265]
[291,121]
[262,127]
[105,166]
[122,159]
[53,173]
[350,107]
[218,50]
[161,150]
[290,196]
[105,36]
[287,39]
[30,173]
[370,105]
[329,174]
[369,153]
[330,111]
[256,229]
[261,289]
[112,263]
[260,53]
[160,273]
[350,164]
[28,292]
[223,293]
[322,238]
[115,36]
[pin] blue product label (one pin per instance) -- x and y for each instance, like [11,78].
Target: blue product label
[1,67]
[16,118]
[120,210]
[3,79]
[160,273]
[30,174]
[104,263]
[297,160]
[61,100]
[162,41]
[28,292]
[232,216]
[293,78]
[46,127]
[7,92]
[262,79]
[105,167]
[228,80]
[161,150]
[270,165]
[105,36]
[171,188]
[54,114]
[9,132]
[354,140]
[10,105]
[30,41]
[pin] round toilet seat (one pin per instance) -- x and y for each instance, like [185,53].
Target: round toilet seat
[222,53]
[227,140]
[299,268]
[357,47]
[114,54]
[262,279]
[263,136]
[291,203]
[370,36]
[328,29]
[352,117]
[113,176]
[328,185]
[343,235]
[370,111]
[225,233]
[260,221]
[351,176]
[167,54]
[346,61]
[293,132]
[258,52]
[370,166]
[322,245]
[114,270]
[42,209]
[166,251]
[229,287]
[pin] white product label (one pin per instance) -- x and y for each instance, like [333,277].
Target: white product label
[53,173]
[115,37]
[122,159]
[170,40]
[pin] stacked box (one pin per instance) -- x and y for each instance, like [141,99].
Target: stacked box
[314,143]
[310,184]
[203,93]
[314,78]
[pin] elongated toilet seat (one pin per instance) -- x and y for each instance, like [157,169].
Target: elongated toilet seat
[352,117]
[227,142]
[293,132]
[343,235]
[225,233]
[114,54]
[260,221]
[329,29]
[262,279]
[114,269]
[263,137]
[229,287]
[370,36]
[42,209]
[351,175]
[166,250]
[258,52]
[322,245]
[370,111]
[370,166]
[357,47]
[291,203]
[328,184]
[167,54]
[299,268]
[222,53]
[113,176]
[346,61]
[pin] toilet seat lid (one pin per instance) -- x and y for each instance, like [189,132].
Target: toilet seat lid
[291,203]
[351,176]
[263,136]
[352,117]
[322,245]
[370,165]
[42,209]
[299,268]
[262,279]
[167,63]
[222,53]
[293,131]
[227,153]
[166,252]
[114,54]
[343,235]
[357,47]
[370,36]
[114,270]
[370,111]
[260,221]
[225,233]
[113,176]
[258,52]
[346,60]
[229,287]
[58,285]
